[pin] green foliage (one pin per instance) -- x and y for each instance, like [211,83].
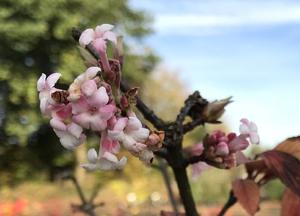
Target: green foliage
[36,38]
[274,190]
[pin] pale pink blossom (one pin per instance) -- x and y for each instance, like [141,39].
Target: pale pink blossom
[249,129]
[107,161]
[69,133]
[98,39]
[107,144]
[45,87]
[101,31]
[78,84]
[130,132]
[92,110]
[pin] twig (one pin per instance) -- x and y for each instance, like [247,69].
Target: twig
[230,202]
[87,207]
[162,167]
[192,125]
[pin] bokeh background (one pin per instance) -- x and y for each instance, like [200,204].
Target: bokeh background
[246,49]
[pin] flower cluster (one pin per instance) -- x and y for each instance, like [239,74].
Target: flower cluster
[93,102]
[224,151]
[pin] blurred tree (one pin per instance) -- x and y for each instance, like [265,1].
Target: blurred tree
[36,38]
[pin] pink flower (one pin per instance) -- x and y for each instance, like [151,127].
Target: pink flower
[101,32]
[98,38]
[109,145]
[130,132]
[70,134]
[238,144]
[76,87]
[107,161]
[45,87]
[91,111]
[249,129]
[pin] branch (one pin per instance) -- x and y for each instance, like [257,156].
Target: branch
[230,202]
[164,170]
[192,125]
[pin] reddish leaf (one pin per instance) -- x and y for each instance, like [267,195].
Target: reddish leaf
[168,213]
[290,204]
[247,193]
[285,167]
[290,146]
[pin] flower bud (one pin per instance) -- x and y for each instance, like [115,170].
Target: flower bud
[155,140]
[222,149]
[214,110]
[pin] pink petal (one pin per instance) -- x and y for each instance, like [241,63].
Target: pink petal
[101,29]
[110,162]
[198,169]
[89,166]
[86,37]
[109,145]
[97,123]
[110,36]
[244,129]
[222,149]
[253,127]
[107,111]
[83,119]
[43,105]
[238,144]
[75,130]
[91,72]
[52,79]
[133,124]
[140,135]
[241,158]
[99,98]
[120,124]
[89,87]
[57,124]
[254,138]
[244,121]
[100,45]
[80,105]
[41,83]
[116,135]
[92,155]
[62,111]
[197,149]
[69,141]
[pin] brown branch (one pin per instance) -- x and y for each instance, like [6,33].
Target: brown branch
[192,125]
[230,202]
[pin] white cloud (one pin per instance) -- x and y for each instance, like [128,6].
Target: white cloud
[236,17]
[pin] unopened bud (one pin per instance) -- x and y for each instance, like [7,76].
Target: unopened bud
[155,140]
[147,156]
[214,110]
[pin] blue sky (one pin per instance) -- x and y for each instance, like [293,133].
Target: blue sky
[246,49]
